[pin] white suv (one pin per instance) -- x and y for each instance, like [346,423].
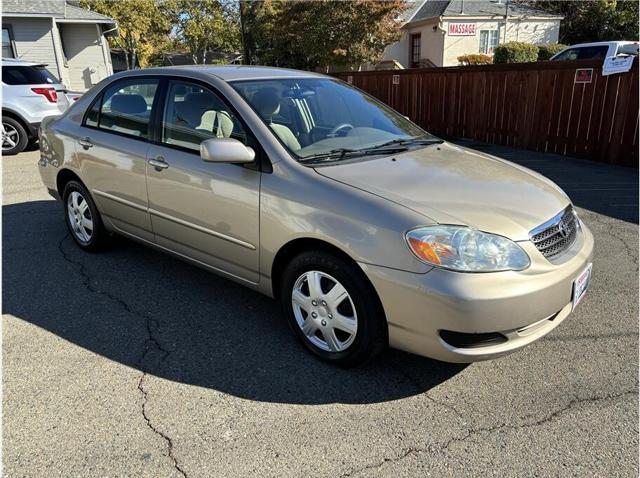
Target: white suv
[597,50]
[30,92]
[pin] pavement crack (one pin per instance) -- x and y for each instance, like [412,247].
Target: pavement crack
[470,432]
[422,389]
[632,251]
[160,433]
[151,343]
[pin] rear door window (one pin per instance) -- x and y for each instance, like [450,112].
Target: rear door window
[27,75]
[126,107]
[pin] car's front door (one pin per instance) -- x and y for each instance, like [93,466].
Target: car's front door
[112,152]
[205,211]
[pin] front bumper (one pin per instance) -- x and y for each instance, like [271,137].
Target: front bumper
[519,306]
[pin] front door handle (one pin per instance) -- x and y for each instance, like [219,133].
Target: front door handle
[158,163]
[85,142]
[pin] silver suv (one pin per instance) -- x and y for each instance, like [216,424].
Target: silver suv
[30,92]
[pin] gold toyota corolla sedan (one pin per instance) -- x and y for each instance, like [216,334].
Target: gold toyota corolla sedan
[369,230]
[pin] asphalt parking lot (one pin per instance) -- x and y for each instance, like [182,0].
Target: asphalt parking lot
[132,363]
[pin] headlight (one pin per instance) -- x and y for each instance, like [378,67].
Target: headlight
[461,248]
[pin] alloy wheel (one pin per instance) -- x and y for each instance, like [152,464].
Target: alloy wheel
[324,311]
[10,137]
[80,217]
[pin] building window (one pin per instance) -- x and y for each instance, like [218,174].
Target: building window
[415,50]
[7,43]
[489,39]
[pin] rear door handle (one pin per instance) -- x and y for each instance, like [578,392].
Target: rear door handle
[85,142]
[158,163]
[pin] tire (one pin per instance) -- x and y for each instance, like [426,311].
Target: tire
[79,216]
[348,331]
[14,136]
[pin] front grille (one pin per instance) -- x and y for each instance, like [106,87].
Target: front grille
[556,235]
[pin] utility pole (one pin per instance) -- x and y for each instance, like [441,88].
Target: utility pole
[506,20]
[243,36]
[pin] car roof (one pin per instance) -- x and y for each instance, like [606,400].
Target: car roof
[600,43]
[19,62]
[236,72]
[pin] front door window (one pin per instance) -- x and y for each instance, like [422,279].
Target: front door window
[193,114]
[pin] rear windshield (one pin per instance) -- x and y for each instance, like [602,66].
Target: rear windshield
[27,75]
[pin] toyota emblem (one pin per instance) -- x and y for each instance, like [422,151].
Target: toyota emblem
[562,230]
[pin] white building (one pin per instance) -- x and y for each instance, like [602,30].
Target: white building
[436,33]
[70,40]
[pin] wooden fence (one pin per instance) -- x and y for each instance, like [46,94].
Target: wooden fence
[537,106]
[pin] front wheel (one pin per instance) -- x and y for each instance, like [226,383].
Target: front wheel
[333,309]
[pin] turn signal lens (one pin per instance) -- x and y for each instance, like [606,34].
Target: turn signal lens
[464,249]
[429,252]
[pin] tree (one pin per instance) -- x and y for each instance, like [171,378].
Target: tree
[143,25]
[593,20]
[311,34]
[206,25]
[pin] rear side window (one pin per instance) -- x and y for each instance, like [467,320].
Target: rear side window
[125,108]
[27,75]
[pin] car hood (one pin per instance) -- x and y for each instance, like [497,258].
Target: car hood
[449,184]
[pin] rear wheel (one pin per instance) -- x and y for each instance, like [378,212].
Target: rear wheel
[331,307]
[14,136]
[82,217]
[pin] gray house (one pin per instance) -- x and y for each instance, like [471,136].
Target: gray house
[69,39]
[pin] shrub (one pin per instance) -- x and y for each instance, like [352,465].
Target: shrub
[545,52]
[515,52]
[475,59]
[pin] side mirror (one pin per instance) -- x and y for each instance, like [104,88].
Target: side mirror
[226,150]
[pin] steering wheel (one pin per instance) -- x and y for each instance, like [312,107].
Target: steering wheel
[334,132]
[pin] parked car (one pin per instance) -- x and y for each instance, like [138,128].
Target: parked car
[73,96]
[29,93]
[369,230]
[597,50]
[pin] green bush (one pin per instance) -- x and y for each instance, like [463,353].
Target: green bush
[475,59]
[515,52]
[545,52]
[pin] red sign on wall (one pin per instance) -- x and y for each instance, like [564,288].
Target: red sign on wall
[462,29]
[584,75]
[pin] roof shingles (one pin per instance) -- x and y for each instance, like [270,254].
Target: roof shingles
[50,8]
[475,8]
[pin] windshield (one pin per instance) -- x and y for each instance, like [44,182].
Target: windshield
[318,116]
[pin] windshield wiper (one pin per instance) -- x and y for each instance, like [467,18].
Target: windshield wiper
[413,140]
[341,153]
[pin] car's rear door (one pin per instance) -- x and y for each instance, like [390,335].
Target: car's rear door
[206,211]
[112,147]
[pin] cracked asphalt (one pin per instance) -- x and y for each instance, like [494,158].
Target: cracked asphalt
[132,363]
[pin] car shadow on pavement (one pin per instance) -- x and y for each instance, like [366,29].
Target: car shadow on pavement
[160,315]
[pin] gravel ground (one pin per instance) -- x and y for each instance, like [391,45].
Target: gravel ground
[132,363]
